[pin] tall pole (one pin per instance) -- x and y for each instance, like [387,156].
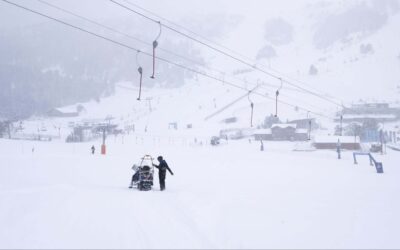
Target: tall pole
[141,81]
[149,103]
[381,138]
[252,112]
[276,103]
[103,146]
[155,44]
[341,125]
[277,95]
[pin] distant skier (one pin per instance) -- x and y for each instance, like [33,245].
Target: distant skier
[162,171]
[93,150]
[339,149]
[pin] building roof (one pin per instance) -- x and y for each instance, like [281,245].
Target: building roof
[99,120]
[287,125]
[302,120]
[263,132]
[335,139]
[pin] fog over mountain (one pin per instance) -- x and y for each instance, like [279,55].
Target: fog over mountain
[45,64]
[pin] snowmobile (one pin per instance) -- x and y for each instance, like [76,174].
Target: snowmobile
[144,174]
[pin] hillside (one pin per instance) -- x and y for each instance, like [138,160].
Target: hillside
[347,50]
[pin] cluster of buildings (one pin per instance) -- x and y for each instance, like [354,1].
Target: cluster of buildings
[381,112]
[88,130]
[274,130]
[360,123]
[372,122]
[295,130]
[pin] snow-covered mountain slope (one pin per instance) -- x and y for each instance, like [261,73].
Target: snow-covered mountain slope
[353,45]
[200,104]
[58,195]
[347,50]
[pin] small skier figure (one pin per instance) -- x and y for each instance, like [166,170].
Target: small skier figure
[339,150]
[262,146]
[162,171]
[93,150]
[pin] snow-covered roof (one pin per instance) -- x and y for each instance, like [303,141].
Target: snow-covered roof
[263,132]
[335,139]
[288,125]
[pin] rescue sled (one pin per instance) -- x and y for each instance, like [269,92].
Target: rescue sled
[144,174]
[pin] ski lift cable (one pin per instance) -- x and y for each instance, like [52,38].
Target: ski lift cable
[125,34]
[146,43]
[148,54]
[160,31]
[280,88]
[294,99]
[248,97]
[253,66]
[137,59]
[273,86]
[180,26]
[310,106]
[135,38]
[217,44]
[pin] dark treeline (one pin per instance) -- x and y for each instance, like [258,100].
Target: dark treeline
[49,65]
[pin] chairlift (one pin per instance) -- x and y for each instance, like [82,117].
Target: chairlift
[277,95]
[140,70]
[252,108]
[155,45]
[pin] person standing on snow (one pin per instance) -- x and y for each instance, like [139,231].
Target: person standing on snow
[339,149]
[162,171]
[93,149]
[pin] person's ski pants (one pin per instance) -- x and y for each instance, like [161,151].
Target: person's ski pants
[161,177]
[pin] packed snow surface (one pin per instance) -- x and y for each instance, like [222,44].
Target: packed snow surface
[233,196]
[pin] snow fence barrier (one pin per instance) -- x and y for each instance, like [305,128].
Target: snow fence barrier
[373,162]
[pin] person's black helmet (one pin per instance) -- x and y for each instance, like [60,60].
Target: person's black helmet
[160,158]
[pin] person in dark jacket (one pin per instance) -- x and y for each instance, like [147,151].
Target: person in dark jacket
[135,177]
[162,171]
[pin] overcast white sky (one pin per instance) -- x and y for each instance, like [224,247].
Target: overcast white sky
[171,9]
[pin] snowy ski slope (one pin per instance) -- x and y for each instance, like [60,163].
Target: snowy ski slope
[234,196]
